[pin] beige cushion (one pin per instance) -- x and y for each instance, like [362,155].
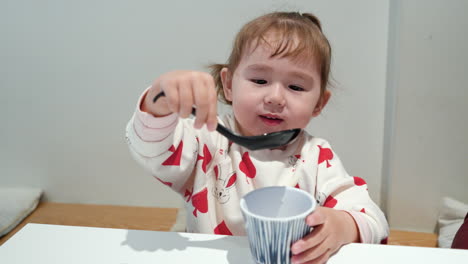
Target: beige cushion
[180,224]
[15,205]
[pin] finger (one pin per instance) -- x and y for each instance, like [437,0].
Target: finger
[212,119]
[318,217]
[315,238]
[201,101]
[172,95]
[322,259]
[185,98]
[157,108]
[314,254]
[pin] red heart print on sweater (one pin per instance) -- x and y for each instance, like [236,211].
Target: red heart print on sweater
[222,229]
[174,159]
[200,201]
[325,155]
[164,182]
[246,166]
[216,171]
[359,181]
[330,202]
[206,158]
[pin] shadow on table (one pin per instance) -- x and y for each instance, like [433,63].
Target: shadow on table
[237,249]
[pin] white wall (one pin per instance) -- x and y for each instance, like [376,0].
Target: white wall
[71,72]
[429,91]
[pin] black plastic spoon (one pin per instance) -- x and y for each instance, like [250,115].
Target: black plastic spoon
[265,141]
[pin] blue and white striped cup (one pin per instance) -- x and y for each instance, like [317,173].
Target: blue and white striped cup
[274,219]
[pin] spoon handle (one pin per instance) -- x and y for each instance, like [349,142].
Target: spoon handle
[194,111]
[158,95]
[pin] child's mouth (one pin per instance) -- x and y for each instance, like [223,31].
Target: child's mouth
[271,120]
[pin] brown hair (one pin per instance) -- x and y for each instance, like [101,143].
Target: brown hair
[300,37]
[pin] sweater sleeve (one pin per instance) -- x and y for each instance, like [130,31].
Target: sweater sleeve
[164,146]
[338,190]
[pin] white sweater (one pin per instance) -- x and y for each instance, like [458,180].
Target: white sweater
[212,174]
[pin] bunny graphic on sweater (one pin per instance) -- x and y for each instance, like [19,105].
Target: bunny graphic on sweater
[221,189]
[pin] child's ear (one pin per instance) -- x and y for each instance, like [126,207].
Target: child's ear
[321,103]
[226,79]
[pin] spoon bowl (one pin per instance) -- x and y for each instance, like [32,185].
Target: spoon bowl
[265,141]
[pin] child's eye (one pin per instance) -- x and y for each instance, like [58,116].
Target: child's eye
[295,88]
[258,81]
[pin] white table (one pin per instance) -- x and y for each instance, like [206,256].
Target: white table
[39,243]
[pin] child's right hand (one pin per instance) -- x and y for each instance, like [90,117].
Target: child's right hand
[332,229]
[183,90]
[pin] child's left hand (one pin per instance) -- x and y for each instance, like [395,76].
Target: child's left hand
[332,229]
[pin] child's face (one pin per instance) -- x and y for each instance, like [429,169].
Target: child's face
[273,94]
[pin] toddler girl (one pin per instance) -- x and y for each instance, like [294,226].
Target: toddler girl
[275,79]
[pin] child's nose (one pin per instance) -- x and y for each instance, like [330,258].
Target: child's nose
[275,96]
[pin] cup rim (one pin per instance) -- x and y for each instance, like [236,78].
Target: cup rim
[282,219]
